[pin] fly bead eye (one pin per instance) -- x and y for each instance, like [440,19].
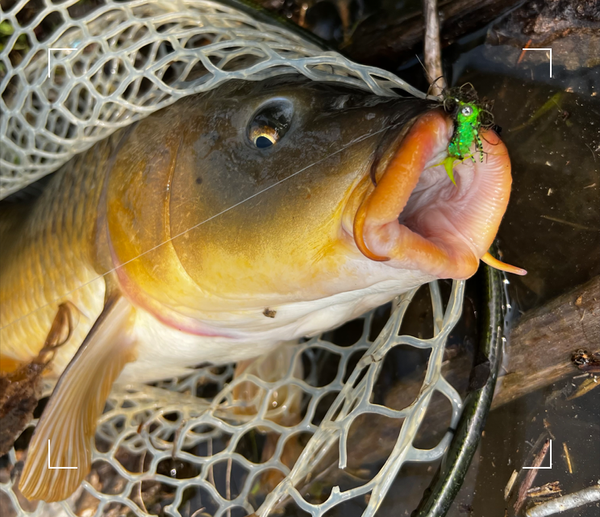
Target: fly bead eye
[270,123]
[466,111]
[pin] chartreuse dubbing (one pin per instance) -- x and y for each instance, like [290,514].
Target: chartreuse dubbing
[466,130]
[467,123]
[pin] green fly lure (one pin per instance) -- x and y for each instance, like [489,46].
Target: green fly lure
[466,131]
[469,117]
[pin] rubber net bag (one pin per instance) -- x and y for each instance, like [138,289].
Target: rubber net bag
[130,59]
[210,443]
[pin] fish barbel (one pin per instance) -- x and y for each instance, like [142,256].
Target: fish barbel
[223,225]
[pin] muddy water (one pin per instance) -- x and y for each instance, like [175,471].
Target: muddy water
[552,130]
[551,127]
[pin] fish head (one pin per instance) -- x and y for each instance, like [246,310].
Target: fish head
[260,195]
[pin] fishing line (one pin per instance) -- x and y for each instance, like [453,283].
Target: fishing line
[212,217]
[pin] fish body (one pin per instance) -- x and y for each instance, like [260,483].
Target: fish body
[127,212]
[47,258]
[223,225]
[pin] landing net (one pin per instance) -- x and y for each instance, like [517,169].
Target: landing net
[164,450]
[129,59]
[206,444]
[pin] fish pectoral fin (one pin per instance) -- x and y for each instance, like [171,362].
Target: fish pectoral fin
[59,454]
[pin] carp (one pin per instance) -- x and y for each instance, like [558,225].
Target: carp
[221,226]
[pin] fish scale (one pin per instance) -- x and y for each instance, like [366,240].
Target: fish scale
[57,236]
[215,250]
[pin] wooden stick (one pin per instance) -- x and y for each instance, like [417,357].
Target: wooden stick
[432,47]
[531,475]
[566,502]
[540,346]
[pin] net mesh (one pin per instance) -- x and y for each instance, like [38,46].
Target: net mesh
[164,450]
[74,72]
[211,443]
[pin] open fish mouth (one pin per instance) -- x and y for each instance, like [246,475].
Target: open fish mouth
[415,218]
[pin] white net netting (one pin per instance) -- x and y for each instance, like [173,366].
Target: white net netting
[74,72]
[254,447]
[209,444]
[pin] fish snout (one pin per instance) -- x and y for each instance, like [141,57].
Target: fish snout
[416,218]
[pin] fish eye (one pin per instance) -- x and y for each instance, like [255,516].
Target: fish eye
[466,111]
[270,124]
[263,137]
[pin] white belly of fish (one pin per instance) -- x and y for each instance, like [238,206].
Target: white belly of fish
[165,352]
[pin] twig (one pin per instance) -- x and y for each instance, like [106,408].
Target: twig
[574,225]
[585,387]
[531,474]
[432,47]
[568,458]
[566,502]
[592,151]
[509,486]
[545,338]
[551,489]
[548,430]
[523,52]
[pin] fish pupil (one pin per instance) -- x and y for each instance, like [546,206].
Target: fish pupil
[262,142]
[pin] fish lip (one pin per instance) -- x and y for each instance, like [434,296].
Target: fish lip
[390,141]
[438,228]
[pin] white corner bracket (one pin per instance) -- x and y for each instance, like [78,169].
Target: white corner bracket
[56,468]
[547,50]
[543,468]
